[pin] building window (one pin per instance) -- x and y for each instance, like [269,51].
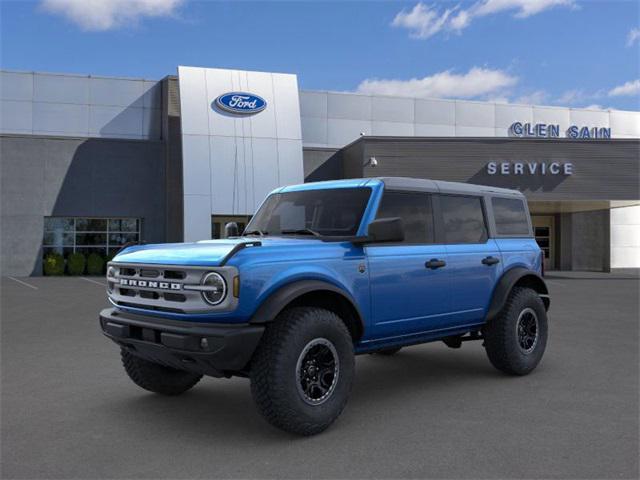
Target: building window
[104,236]
[219,221]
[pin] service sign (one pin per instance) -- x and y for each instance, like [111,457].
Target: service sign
[240,103]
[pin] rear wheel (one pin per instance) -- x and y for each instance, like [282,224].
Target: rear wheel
[157,378]
[516,338]
[302,371]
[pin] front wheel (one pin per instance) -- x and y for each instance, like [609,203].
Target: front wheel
[157,378]
[302,371]
[516,338]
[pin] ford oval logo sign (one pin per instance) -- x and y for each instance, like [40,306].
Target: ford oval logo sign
[240,103]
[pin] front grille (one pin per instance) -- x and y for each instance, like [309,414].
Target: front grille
[162,288]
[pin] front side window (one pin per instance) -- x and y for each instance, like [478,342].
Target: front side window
[415,211]
[104,236]
[510,216]
[463,219]
[335,212]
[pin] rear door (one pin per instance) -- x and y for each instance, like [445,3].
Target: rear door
[474,259]
[408,295]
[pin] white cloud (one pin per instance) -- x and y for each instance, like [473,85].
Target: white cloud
[595,106]
[423,21]
[633,36]
[629,88]
[538,97]
[100,15]
[476,82]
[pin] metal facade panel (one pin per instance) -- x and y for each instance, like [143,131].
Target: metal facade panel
[194,104]
[349,106]
[107,121]
[249,153]
[552,115]
[342,132]
[16,117]
[196,175]
[624,123]
[472,114]
[313,104]
[60,89]
[389,109]
[16,86]
[116,92]
[435,112]
[314,130]
[506,115]
[285,89]
[598,118]
[392,129]
[425,130]
[61,118]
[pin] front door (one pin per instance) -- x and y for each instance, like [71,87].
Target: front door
[409,280]
[544,231]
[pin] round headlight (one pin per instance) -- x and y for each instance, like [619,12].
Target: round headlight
[216,288]
[111,273]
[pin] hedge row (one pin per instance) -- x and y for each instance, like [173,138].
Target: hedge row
[76,264]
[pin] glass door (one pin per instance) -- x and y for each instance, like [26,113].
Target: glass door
[544,231]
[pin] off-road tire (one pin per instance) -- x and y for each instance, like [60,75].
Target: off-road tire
[501,334]
[157,378]
[275,376]
[387,352]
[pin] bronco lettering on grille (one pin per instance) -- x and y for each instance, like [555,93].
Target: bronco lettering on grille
[150,284]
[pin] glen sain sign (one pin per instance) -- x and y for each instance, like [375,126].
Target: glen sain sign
[240,103]
[546,130]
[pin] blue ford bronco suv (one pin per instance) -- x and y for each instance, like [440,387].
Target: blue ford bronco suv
[323,272]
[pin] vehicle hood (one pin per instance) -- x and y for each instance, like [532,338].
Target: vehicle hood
[203,253]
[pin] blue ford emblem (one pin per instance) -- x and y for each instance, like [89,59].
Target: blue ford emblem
[241,103]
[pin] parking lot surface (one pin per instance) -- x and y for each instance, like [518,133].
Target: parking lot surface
[69,411]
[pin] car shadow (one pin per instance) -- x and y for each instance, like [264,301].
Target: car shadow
[223,409]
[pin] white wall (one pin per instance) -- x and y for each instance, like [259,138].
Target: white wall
[335,119]
[230,162]
[625,237]
[79,106]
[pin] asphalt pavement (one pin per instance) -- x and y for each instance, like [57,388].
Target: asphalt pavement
[69,411]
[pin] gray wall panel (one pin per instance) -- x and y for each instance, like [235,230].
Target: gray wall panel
[44,176]
[603,170]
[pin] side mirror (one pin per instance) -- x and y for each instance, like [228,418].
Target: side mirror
[385,230]
[231,230]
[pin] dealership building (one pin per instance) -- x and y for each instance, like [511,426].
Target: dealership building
[90,163]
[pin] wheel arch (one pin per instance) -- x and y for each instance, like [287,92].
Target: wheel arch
[314,293]
[517,277]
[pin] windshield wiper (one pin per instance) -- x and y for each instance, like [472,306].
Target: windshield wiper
[301,231]
[255,232]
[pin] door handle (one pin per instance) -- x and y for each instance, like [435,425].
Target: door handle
[435,263]
[490,260]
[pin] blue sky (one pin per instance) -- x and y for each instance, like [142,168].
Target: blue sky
[558,52]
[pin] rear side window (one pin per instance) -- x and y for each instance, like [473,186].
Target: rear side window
[463,219]
[510,216]
[415,211]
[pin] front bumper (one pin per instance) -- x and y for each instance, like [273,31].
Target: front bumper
[209,349]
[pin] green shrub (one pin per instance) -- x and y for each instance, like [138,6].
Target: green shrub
[76,263]
[53,264]
[95,264]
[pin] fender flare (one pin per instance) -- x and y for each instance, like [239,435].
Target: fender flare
[509,280]
[279,299]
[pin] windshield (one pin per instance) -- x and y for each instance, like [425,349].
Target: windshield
[328,212]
